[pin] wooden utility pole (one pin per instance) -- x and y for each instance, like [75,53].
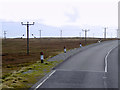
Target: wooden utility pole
[61,33]
[27,24]
[80,34]
[40,33]
[111,35]
[5,34]
[85,35]
[105,32]
[93,35]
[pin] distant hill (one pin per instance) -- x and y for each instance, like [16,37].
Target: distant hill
[15,30]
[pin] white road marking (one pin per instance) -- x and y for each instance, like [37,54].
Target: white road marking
[45,79]
[106,67]
[106,63]
[80,70]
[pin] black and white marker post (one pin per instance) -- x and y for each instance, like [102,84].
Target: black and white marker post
[42,57]
[80,45]
[64,49]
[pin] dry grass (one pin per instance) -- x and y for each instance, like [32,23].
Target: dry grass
[14,51]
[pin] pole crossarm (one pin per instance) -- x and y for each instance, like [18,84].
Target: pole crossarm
[27,23]
[85,30]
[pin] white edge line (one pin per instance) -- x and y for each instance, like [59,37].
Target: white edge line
[45,79]
[106,65]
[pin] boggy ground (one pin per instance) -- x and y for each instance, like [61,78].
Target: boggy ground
[14,55]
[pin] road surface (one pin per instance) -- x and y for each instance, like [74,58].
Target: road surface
[95,67]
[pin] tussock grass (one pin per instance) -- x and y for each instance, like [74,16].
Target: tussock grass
[25,79]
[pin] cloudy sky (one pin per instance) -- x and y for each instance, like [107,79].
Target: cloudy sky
[62,13]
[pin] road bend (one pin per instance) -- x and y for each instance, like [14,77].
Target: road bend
[95,67]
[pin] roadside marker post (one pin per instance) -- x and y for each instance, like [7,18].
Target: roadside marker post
[99,41]
[80,45]
[64,49]
[42,57]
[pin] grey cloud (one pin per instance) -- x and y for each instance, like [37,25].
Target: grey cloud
[74,16]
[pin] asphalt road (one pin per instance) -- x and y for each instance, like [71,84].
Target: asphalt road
[95,67]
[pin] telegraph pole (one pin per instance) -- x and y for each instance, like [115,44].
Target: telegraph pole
[40,33]
[117,32]
[111,35]
[80,34]
[61,33]
[5,34]
[27,24]
[105,32]
[85,35]
[93,35]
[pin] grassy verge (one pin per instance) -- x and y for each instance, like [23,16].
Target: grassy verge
[27,76]
[20,70]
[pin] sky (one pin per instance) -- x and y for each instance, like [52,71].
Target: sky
[61,14]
